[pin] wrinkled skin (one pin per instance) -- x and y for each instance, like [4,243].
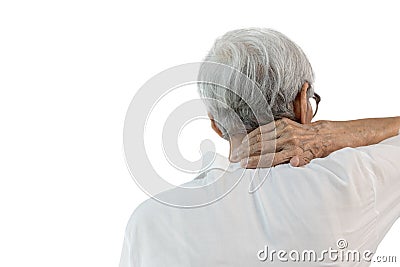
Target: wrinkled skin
[289,141]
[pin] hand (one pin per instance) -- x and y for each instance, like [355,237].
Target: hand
[284,141]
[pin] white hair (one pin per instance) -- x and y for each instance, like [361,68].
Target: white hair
[271,61]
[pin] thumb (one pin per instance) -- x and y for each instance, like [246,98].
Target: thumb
[295,161]
[305,158]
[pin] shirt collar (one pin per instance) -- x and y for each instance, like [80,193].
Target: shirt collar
[213,160]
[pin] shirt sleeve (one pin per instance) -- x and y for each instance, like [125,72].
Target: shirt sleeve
[383,162]
[128,256]
[126,260]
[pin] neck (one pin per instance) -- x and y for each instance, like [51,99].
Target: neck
[234,143]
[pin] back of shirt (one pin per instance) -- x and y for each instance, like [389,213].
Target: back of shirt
[297,217]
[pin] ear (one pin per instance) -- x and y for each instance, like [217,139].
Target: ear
[214,125]
[302,108]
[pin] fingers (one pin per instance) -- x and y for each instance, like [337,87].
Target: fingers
[257,148]
[262,130]
[283,135]
[269,131]
[296,157]
[264,139]
[262,147]
[268,160]
[261,161]
[260,138]
[304,159]
[295,161]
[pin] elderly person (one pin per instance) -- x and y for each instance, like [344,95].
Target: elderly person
[346,200]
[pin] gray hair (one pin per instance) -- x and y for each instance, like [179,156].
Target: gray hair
[271,61]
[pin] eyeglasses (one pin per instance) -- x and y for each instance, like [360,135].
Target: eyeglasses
[317,99]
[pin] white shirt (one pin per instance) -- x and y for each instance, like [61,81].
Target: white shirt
[352,196]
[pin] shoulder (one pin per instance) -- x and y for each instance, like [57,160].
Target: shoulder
[387,149]
[335,180]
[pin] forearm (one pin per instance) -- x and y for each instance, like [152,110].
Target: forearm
[339,134]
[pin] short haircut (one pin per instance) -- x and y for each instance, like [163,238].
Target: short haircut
[274,63]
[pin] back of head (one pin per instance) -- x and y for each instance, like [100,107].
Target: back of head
[271,61]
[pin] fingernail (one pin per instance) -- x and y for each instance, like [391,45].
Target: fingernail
[295,161]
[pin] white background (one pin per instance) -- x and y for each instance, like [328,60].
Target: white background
[69,69]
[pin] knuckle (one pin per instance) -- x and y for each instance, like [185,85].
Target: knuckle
[254,147]
[295,141]
[298,151]
[290,136]
[290,127]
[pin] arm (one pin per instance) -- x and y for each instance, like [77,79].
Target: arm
[285,141]
[382,162]
[339,134]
